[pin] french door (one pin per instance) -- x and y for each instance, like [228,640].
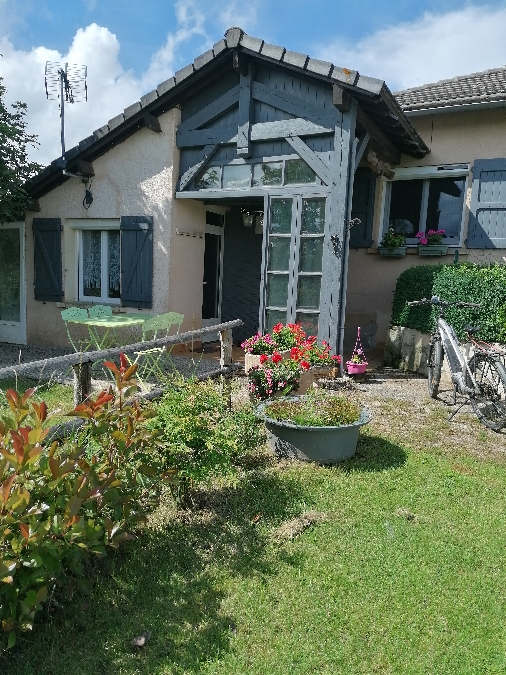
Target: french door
[292,264]
[12,283]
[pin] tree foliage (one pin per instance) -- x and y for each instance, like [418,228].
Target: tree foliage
[15,166]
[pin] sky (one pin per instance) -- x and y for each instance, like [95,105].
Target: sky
[130,46]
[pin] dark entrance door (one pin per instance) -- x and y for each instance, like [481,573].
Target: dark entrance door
[213,270]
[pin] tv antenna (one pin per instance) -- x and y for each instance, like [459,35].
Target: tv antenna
[66,83]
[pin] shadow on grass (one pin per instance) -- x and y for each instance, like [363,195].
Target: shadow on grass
[375,453]
[174,581]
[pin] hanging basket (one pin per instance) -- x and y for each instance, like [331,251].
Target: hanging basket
[356,368]
[353,367]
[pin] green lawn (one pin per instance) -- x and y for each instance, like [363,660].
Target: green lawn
[404,574]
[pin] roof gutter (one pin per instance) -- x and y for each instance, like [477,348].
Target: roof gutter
[464,107]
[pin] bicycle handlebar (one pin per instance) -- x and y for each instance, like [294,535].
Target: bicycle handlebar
[435,300]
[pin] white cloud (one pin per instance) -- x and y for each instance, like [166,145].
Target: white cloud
[432,48]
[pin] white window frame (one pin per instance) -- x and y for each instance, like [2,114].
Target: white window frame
[104,226]
[425,173]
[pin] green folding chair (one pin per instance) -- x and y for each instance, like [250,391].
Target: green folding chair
[97,311]
[151,360]
[70,314]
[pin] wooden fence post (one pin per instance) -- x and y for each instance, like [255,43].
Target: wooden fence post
[82,381]
[226,347]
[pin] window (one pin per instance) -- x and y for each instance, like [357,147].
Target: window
[430,198]
[99,266]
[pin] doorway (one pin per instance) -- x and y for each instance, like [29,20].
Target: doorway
[12,283]
[213,278]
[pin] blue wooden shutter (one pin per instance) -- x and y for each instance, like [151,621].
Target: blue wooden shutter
[48,277]
[487,218]
[136,261]
[362,207]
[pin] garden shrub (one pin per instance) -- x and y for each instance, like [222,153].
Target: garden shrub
[202,435]
[466,282]
[59,505]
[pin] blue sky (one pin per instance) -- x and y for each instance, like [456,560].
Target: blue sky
[130,46]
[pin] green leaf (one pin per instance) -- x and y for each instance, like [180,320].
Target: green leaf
[12,640]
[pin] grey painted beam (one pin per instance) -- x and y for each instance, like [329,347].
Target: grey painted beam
[340,98]
[383,146]
[262,131]
[293,105]
[188,175]
[152,123]
[287,191]
[363,142]
[244,115]
[212,111]
[311,158]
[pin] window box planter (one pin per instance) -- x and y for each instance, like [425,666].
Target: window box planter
[398,252]
[324,445]
[434,250]
[356,368]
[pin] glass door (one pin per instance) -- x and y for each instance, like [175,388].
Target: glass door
[293,260]
[12,284]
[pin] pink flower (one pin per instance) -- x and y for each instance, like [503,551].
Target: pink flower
[423,241]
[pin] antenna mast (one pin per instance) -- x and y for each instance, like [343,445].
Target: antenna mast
[66,83]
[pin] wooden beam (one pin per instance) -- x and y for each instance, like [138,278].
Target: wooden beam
[188,175]
[244,116]
[340,98]
[311,158]
[240,62]
[363,142]
[152,123]
[378,166]
[293,105]
[383,146]
[83,168]
[33,205]
[212,111]
[262,131]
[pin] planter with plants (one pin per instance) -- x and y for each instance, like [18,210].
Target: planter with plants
[392,245]
[319,427]
[430,243]
[357,365]
[281,340]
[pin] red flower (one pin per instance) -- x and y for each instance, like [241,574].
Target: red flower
[336,358]
[277,328]
[276,357]
[263,358]
[295,353]
[305,365]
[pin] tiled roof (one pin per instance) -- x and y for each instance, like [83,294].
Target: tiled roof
[485,87]
[373,93]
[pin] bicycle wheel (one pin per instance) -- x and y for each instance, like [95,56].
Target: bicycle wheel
[434,364]
[489,402]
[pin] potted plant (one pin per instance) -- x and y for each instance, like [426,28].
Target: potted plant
[393,245]
[357,365]
[322,363]
[274,376]
[282,339]
[431,243]
[320,427]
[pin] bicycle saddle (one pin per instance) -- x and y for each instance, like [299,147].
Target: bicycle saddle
[472,330]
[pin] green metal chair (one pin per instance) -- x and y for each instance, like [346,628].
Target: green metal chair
[75,313]
[150,360]
[97,311]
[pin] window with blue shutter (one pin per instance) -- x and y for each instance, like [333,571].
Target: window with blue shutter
[48,277]
[136,261]
[487,217]
[363,208]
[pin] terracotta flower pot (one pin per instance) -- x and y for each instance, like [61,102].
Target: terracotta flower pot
[356,368]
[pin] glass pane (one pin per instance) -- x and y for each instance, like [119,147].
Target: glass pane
[405,205]
[211,293]
[113,262]
[309,322]
[268,173]
[10,289]
[311,254]
[281,216]
[313,216]
[297,171]
[210,180]
[444,210]
[308,293]
[279,253]
[236,176]
[277,290]
[272,317]
[92,263]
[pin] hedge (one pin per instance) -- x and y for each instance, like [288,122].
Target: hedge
[482,284]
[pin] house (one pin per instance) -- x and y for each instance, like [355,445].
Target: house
[228,193]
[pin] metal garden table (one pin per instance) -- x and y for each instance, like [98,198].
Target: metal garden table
[111,324]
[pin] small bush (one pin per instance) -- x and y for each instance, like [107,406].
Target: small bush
[414,283]
[201,434]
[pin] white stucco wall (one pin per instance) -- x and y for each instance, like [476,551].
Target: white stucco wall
[135,178]
[453,138]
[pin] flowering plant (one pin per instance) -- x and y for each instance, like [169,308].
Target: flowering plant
[273,376]
[358,357]
[430,238]
[392,239]
[287,336]
[315,354]
[259,344]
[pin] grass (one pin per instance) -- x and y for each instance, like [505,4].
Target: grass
[59,397]
[400,572]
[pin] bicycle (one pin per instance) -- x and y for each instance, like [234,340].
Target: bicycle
[480,376]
